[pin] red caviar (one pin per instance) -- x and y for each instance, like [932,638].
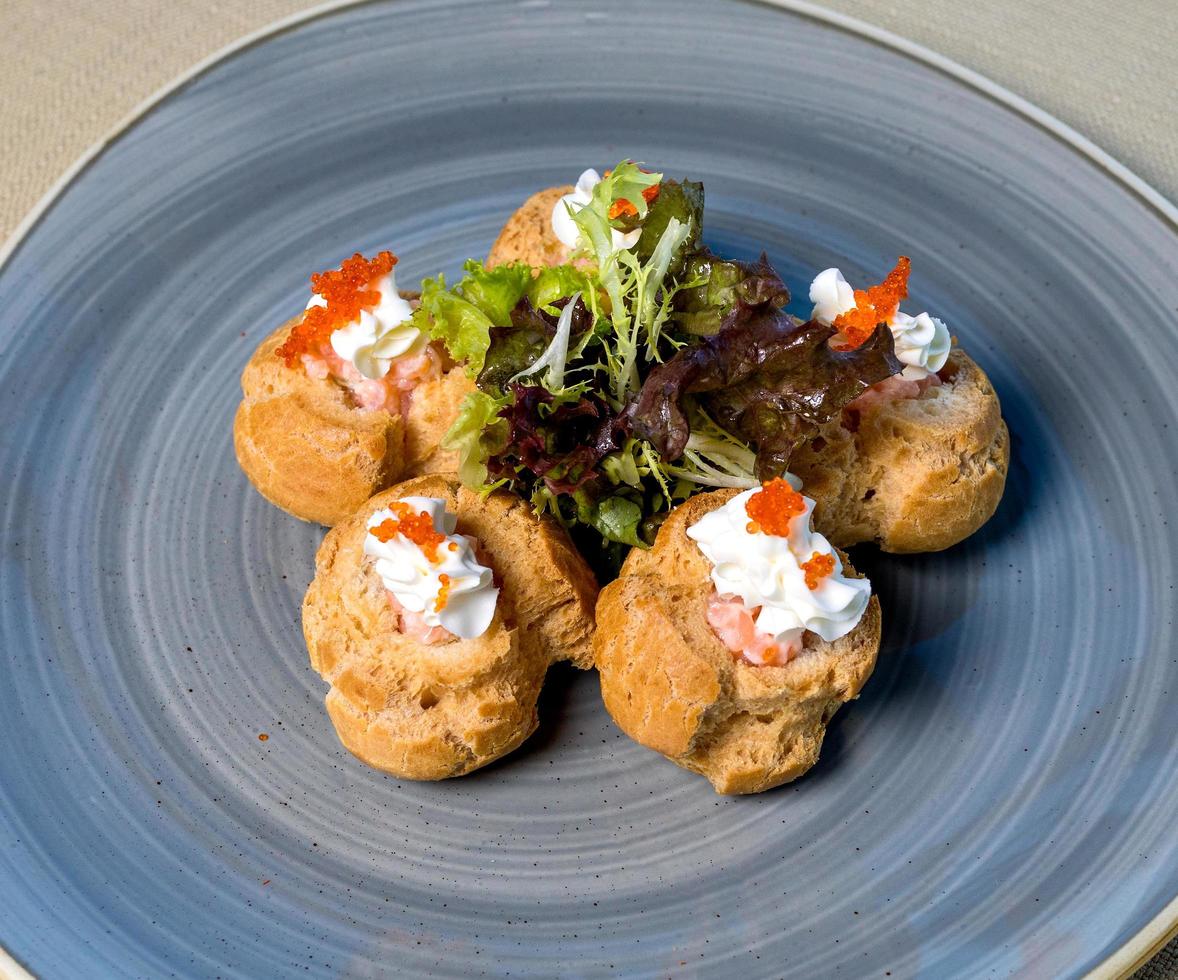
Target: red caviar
[443,592]
[621,207]
[876,304]
[416,526]
[773,507]
[817,568]
[347,290]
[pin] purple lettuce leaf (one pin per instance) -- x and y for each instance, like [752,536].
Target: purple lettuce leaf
[555,439]
[766,377]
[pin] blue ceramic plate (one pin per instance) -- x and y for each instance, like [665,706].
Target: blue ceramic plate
[1000,800]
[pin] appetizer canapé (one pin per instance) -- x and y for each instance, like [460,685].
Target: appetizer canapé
[730,644]
[346,398]
[434,614]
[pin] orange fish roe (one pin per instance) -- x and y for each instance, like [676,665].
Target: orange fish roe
[621,207]
[625,208]
[347,291]
[443,592]
[817,568]
[876,304]
[773,507]
[416,526]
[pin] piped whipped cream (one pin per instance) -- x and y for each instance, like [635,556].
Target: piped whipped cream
[922,342]
[565,228]
[380,335]
[768,573]
[452,590]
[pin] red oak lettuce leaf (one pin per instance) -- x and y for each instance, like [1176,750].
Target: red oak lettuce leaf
[724,286]
[557,440]
[765,377]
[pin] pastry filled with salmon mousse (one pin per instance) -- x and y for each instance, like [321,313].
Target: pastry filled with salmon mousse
[434,614]
[731,643]
[346,398]
[915,462]
[919,461]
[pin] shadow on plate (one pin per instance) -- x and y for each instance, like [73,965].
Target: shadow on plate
[556,721]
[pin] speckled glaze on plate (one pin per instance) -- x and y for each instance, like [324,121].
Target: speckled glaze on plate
[1001,799]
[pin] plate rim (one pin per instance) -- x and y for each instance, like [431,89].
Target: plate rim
[1163,927]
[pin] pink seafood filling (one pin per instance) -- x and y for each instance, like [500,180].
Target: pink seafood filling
[894,388]
[414,626]
[734,625]
[393,392]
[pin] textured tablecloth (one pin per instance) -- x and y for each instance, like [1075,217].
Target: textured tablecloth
[71,70]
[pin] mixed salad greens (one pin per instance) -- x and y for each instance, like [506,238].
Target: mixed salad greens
[614,387]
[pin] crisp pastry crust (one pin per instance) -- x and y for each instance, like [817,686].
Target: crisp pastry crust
[528,236]
[308,449]
[912,474]
[671,685]
[430,712]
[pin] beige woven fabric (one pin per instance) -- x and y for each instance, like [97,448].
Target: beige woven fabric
[71,70]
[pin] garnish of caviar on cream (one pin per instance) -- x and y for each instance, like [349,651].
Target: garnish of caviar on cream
[775,577]
[566,229]
[379,334]
[432,572]
[357,311]
[922,342]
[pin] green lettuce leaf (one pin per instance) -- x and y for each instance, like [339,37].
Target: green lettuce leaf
[620,467]
[513,348]
[679,200]
[616,518]
[461,317]
[461,326]
[555,282]
[495,291]
[476,433]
